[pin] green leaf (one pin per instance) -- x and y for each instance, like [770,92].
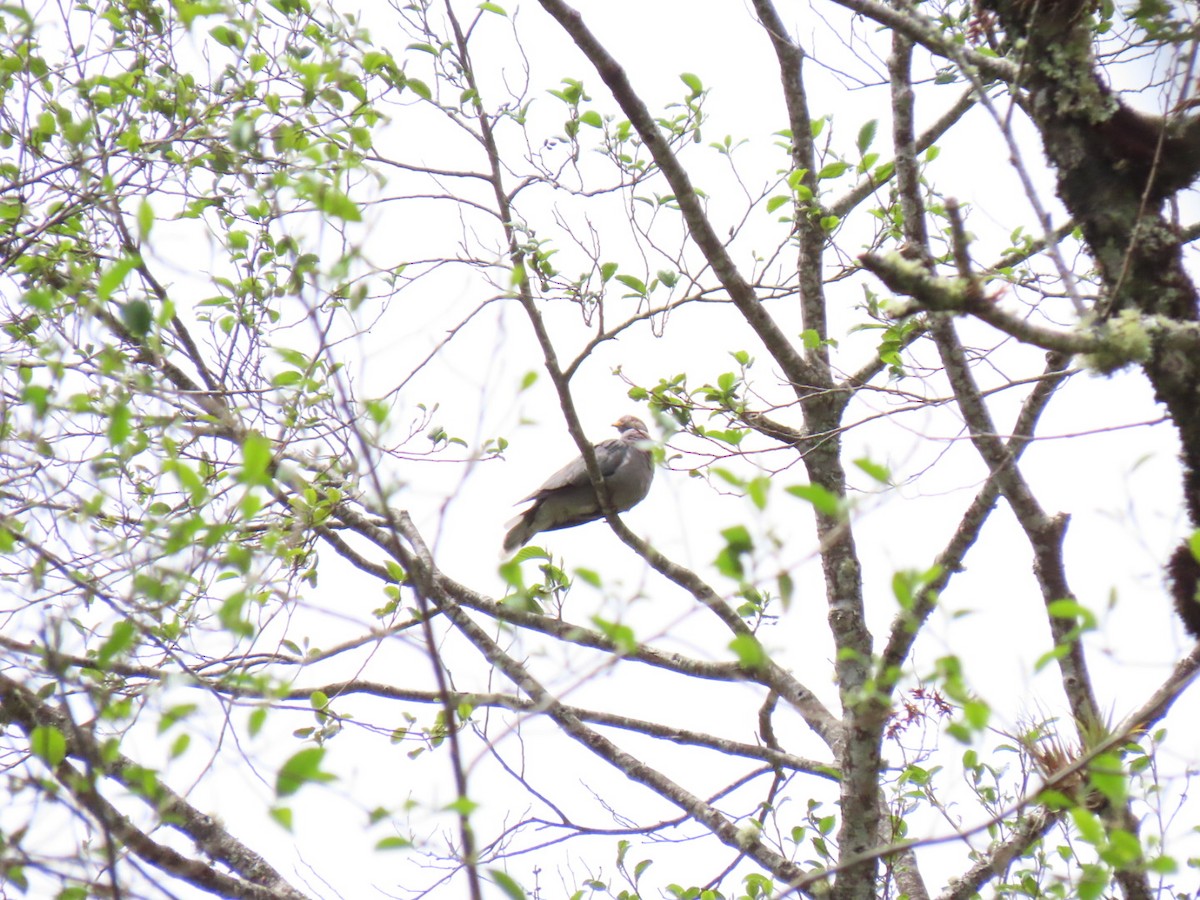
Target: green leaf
[777,201]
[739,538]
[609,269]
[180,745]
[732,436]
[1092,882]
[229,614]
[833,170]
[787,588]
[737,544]
[634,284]
[510,887]
[11,210]
[418,87]
[1107,775]
[37,396]
[591,117]
[1163,865]
[137,317]
[395,842]
[693,83]
[622,636]
[464,806]
[1056,800]
[1088,826]
[145,218]
[1070,609]
[757,490]
[959,732]
[120,639]
[256,459]
[303,768]
[226,36]
[1123,849]
[18,12]
[531,552]
[119,424]
[977,713]
[866,135]
[333,202]
[588,576]
[749,651]
[729,477]
[880,473]
[282,815]
[114,277]
[493,8]
[821,499]
[174,715]
[242,134]
[378,814]
[1050,656]
[48,744]
[287,379]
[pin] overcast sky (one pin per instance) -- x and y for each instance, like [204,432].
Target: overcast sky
[1106,458]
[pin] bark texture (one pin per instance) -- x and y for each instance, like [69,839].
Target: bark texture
[1117,169]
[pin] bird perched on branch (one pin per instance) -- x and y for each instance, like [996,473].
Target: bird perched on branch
[568,498]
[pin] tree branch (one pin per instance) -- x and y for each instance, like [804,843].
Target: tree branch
[798,372]
[257,881]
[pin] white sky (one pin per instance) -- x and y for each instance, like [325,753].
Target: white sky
[1119,485]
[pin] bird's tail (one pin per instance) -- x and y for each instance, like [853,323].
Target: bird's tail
[519,533]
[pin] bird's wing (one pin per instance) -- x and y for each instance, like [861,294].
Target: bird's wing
[609,455]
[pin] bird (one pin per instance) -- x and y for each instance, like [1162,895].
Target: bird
[568,499]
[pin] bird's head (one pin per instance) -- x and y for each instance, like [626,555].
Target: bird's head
[630,423]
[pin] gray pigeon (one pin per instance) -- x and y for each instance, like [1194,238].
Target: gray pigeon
[568,499]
